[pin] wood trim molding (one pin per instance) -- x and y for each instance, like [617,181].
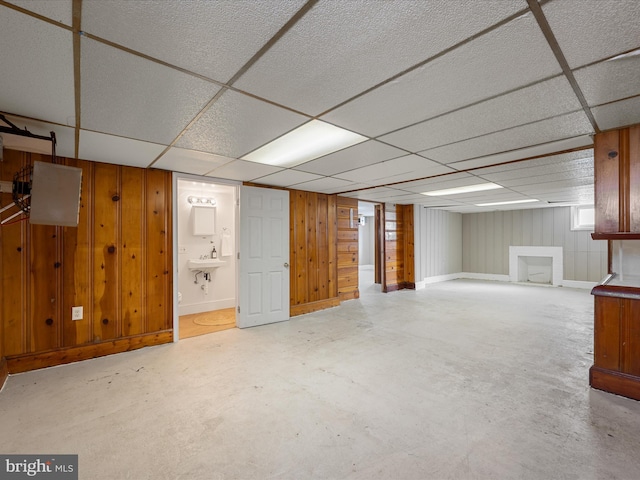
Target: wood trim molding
[343,296]
[615,382]
[303,308]
[4,372]
[61,356]
[394,287]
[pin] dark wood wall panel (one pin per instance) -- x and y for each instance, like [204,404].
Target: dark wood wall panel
[313,272]
[633,141]
[105,253]
[46,321]
[15,304]
[394,248]
[159,291]
[116,264]
[399,248]
[408,246]
[347,248]
[77,266]
[132,261]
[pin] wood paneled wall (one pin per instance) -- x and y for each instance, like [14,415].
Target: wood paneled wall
[313,269]
[116,264]
[399,248]
[347,248]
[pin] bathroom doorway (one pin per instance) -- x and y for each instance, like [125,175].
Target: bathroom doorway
[205,262]
[369,258]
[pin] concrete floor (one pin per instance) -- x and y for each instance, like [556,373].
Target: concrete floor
[461,380]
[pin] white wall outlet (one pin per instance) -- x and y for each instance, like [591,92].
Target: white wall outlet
[76,313]
[182,249]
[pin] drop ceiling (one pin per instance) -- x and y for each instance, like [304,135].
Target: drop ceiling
[448,93]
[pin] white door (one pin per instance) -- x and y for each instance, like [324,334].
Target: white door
[264,256]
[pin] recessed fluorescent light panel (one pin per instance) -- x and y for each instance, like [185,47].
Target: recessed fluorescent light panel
[311,140]
[468,189]
[513,202]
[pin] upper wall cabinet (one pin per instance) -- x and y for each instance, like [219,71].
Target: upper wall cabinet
[617,184]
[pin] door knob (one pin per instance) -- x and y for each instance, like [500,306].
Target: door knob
[286,265]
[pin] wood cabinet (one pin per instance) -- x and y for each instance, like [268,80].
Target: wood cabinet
[616,366]
[617,184]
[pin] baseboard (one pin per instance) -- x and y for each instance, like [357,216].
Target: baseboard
[494,277]
[578,284]
[60,356]
[4,372]
[295,310]
[400,286]
[615,382]
[343,296]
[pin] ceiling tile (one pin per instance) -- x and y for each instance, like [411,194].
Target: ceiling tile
[65,136]
[243,170]
[543,178]
[328,49]
[212,38]
[395,170]
[58,10]
[122,151]
[36,61]
[326,185]
[190,161]
[542,100]
[611,80]
[126,95]
[360,155]
[509,57]
[618,114]
[373,193]
[585,155]
[459,179]
[559,128]
[287,178]
[237,124]
[542,149]
[532,172]
[589,30]
[554,185]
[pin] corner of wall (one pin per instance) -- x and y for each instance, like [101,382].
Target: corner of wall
[4,372]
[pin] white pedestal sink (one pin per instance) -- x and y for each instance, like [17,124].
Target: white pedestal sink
[206,265]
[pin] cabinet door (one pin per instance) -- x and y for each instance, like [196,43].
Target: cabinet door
[606,348]
[607,182]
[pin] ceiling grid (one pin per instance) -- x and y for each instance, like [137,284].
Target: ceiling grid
[443,94]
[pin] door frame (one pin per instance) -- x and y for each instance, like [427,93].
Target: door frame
[176,176]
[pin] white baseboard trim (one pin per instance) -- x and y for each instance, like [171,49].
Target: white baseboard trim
[455,276]
[578,284]
[493,277]
[206,306]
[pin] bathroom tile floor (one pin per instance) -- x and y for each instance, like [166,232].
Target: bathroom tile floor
[460,380]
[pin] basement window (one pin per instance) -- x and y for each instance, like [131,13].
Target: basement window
[583,217]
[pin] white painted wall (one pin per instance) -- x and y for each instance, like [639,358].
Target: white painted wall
[487,237]
[366,242]
[438,244]
[222,288]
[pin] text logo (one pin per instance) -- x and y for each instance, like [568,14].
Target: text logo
[49,467]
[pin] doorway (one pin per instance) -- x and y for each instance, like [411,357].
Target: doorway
[370,258]
[205,226]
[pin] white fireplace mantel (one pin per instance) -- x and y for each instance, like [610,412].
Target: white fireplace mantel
[555,253]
